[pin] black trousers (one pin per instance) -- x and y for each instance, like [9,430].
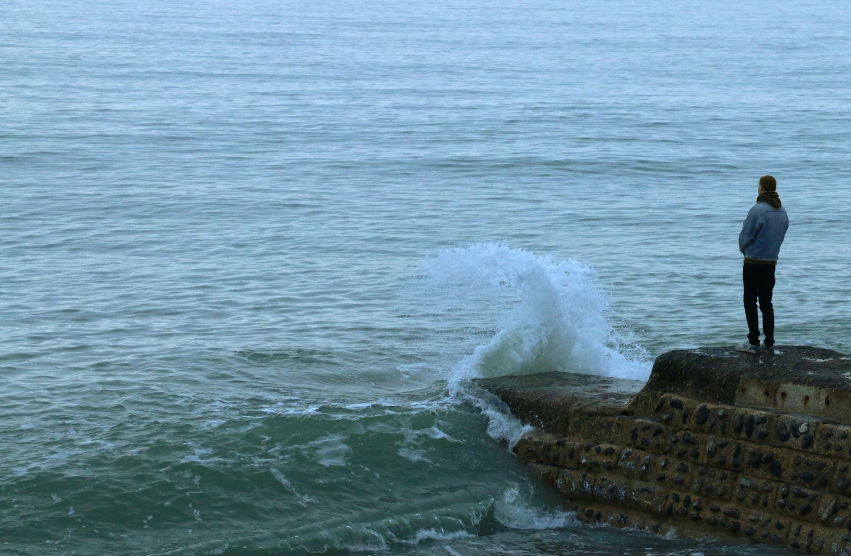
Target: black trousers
[759,285]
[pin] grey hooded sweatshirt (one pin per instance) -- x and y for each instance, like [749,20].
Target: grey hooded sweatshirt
[763,232]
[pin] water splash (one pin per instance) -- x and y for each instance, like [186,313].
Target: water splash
[515,511]
[551,314]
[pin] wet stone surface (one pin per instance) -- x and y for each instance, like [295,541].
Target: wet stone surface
[716,443]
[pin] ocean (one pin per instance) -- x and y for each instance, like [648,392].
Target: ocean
[253,252]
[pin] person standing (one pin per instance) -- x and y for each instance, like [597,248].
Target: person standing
[762,234]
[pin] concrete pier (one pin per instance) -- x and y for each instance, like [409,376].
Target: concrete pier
[716,443]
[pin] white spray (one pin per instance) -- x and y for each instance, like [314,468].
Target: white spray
[552,314]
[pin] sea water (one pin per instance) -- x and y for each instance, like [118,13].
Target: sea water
[253,252]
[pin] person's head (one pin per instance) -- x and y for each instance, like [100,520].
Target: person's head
[767,183]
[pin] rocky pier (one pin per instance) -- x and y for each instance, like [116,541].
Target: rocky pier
[716,443]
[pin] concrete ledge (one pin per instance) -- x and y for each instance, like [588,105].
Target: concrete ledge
[796,378]
[717,442]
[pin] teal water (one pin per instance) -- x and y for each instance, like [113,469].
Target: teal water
[252,252]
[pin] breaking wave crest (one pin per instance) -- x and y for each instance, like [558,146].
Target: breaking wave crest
[551,315]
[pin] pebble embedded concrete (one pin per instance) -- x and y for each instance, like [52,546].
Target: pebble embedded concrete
[701,461]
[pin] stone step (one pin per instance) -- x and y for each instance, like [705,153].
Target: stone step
[717,442]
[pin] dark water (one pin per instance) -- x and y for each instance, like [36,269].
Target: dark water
[251,252]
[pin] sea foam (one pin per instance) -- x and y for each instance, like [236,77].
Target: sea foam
[551,315]
[514,511]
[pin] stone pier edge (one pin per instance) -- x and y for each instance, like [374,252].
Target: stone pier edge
[705,468]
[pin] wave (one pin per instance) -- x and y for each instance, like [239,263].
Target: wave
[515,511]
[552,315]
